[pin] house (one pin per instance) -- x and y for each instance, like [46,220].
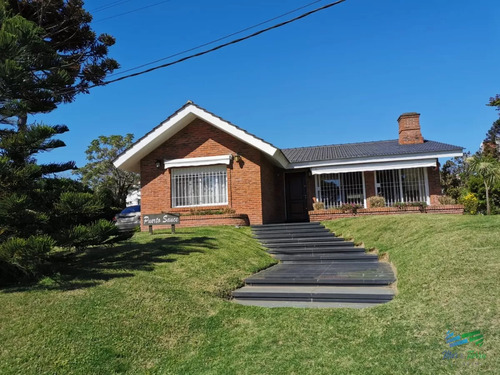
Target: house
[196,160]
[133,197]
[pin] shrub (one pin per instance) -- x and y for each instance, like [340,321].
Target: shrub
[350,207]
[400,205]
[101,232]
[24,256]
[318,206]
[470,203]
[376,201]
[222,211]
[421,205]
[78,208]
[444,199]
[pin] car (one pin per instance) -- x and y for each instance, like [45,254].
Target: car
[129,218]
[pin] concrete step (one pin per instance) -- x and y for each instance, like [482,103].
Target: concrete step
[278,229]
[308,245]
[366,294]
[326,257]
[271,241]
[317,250]
[337,273]
[285,225]
[308,234]
[301,304]
[289,232]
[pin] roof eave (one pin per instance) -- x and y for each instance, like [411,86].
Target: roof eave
[377,159]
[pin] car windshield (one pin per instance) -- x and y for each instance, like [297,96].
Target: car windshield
[131,209]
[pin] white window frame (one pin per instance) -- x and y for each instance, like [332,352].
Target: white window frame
[193,179]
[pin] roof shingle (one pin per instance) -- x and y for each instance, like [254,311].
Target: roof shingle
[363,150]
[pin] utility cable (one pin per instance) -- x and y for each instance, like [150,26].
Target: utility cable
[215,40]
[132,11]
[304,15]
[109,5]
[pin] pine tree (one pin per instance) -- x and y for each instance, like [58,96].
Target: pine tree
[48,54]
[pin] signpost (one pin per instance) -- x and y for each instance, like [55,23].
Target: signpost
[161,219]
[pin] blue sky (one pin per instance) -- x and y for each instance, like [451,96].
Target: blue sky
[342,75]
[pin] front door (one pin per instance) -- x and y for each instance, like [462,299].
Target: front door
[296,197]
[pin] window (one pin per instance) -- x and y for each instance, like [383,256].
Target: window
[336,189]
[401,185]
[199,186]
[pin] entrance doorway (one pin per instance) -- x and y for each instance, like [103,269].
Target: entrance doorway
[296,197]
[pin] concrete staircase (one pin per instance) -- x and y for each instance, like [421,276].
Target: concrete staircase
[316,269]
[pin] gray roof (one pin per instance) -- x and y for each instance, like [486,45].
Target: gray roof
[364,150]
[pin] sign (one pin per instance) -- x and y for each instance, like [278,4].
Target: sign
[160,219]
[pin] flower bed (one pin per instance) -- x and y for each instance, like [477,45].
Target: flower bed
[320,215]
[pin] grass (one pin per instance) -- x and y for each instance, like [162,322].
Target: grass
[157,305]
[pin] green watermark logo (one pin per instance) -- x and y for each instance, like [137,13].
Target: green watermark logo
[456,342]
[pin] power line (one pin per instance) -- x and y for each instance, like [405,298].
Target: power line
[215,40]
[221,45]
[109,5]
[132,11]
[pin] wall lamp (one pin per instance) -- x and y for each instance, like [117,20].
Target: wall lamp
[237,158]
[158,163]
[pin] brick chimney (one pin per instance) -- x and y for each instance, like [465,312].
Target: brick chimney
[409,129]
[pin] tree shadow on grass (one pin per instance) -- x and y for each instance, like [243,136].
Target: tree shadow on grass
[93,266]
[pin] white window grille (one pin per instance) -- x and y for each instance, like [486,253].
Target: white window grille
[199,186]
[336,189]
[401,185]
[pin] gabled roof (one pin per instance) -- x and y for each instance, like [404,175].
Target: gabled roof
[129,160]
[367,150]
[292,158]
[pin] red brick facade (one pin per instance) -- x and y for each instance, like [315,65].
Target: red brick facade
[207,220]
[256,186]
[434,185]
[253,183]
[370,185]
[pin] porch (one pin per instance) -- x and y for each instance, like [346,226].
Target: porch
[335,192]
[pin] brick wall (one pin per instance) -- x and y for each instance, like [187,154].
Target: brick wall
[199,139]
[369,185]
[409,128]
[434,185]
[322,215]
[206,220]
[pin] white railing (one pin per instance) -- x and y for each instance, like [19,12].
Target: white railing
[401,185]
[336,189]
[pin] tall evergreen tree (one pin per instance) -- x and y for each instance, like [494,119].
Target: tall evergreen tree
[491,143]
[495,102]
[48,54]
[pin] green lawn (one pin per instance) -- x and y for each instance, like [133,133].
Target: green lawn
[158,305]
